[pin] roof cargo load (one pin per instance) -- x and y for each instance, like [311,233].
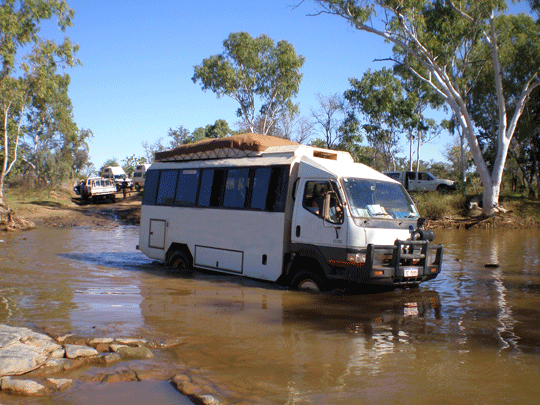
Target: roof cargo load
[243,145]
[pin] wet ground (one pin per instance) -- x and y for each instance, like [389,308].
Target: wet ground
[470,336]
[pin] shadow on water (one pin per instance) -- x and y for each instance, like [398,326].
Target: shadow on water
[363,313]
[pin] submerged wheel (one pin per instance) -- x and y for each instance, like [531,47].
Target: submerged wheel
[306,280]
[180,262]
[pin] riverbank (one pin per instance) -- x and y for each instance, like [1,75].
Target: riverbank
[62,208]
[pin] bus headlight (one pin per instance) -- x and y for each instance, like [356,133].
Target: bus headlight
[356,257]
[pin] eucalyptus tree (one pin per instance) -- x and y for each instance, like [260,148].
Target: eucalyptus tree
[447,44]
[525,147]
[28,77]
[379,97]
[250,70]
[328,116]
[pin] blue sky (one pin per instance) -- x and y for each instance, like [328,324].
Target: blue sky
[138,58]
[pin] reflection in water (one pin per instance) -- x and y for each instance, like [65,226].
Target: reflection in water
[470,336]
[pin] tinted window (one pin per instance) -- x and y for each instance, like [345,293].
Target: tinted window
[236,188]
[167,185]
[277,191]
[425,176]
[205,192]
[186,190]
[261,182]
[150,187]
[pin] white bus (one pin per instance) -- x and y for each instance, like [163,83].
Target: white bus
[271,209]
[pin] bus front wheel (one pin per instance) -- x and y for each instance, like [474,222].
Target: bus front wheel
[306,280]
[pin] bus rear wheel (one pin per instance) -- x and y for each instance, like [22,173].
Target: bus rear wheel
[306,280]
[180,262]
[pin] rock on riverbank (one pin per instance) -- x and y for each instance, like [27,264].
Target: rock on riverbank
[32,363]
[23,351]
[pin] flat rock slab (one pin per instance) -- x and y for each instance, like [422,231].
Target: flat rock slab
[74,351]
[128,352]
[22,350]
[60,384]
[21,387]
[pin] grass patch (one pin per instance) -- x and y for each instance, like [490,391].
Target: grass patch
[436,206]
[21,197]
[521,206]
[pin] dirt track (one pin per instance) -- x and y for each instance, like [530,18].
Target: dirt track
[80,213]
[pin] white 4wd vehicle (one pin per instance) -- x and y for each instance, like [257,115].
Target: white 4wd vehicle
[138,176]
[117,174]
[422,181]
[96,188]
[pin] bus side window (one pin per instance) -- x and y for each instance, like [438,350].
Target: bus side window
[261,185]
[218,184]
[167,187]
[282,174]
[212,185]
[150,187]
[236,188]
[205,191]
[277,189]
[186,190]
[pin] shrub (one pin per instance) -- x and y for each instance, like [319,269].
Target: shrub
[435,206]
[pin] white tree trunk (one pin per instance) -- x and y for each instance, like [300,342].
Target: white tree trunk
[445,81]
[411,140]
[418,143]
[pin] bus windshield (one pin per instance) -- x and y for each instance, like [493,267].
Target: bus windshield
[378,199]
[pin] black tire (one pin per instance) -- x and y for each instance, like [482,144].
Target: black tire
[306,280]
[443,189]
[180,261]
[137,188]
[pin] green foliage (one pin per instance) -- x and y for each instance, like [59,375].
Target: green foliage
[33,96]
[130,163]
[181,136]
[379,97]
[109,162]
[219,129]
[461,49]
[252,68]
[393,101]
[435,206]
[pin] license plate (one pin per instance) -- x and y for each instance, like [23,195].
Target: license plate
[410,309]
[410,272]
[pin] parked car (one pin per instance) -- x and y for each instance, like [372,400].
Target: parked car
[117,174]
[96,189]
[422,181]
[138,176]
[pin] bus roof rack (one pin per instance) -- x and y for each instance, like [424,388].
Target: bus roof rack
[242,145]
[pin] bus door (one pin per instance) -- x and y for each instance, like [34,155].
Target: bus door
[308,226]
[156,238]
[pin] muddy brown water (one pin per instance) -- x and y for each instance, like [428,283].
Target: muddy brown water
[470,336]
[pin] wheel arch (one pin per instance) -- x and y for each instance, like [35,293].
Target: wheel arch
[301,263]
[175,247]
